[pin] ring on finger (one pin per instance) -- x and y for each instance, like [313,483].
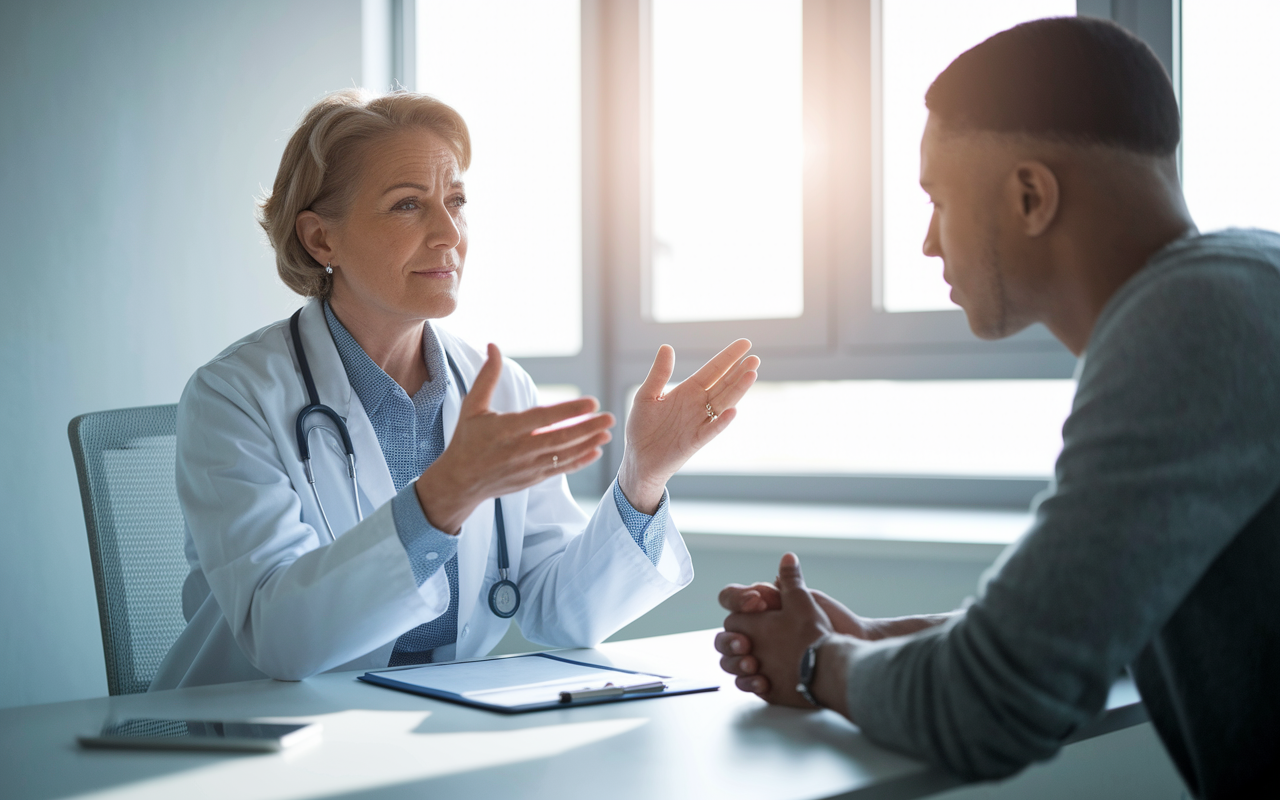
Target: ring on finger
[711,412]
[555,461]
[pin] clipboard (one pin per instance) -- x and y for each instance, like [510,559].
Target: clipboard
[532,682]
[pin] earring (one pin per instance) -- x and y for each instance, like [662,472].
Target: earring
[328,268]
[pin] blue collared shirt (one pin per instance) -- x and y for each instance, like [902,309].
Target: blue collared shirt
[410,432]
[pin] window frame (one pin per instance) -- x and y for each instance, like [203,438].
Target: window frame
[841,334]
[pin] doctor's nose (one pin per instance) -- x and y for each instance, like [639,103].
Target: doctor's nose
[442,230]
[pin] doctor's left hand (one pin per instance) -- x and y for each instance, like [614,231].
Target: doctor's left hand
[665,429]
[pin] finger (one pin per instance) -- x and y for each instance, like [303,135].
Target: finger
[659,374]
[560,438]
[768,595]
[564,467]
[740,665]
[728,392]
[736,598]
[544,416]
[710,430]
[732,644]
[790,580]
[728,398]
[748,364]
[554,462]
[749,599]
[733,622]
[756,684]
[721,363]
[481,394]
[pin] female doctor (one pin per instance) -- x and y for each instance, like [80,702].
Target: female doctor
[363,489]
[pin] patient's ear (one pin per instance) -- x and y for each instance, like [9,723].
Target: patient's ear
[1034,193]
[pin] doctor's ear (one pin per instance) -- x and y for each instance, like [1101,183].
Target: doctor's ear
[314,233]
[1035,191]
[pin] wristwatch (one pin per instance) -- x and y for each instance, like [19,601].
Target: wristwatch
[808,665]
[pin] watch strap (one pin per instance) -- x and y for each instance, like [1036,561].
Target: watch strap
[808,667]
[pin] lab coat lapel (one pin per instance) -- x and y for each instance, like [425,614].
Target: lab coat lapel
[476,536]
[335,390]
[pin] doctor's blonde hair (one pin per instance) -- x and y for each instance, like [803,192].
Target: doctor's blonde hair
[320,168]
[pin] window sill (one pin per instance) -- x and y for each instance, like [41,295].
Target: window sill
[844,530]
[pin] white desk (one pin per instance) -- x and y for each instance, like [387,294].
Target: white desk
[379,743]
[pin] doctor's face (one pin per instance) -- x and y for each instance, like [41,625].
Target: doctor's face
[399,252]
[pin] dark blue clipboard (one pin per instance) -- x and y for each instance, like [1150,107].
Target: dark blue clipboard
[675,686]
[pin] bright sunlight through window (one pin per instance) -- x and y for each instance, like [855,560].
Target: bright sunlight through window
[512,68]
[727,157]
[975,428]
[1229,111]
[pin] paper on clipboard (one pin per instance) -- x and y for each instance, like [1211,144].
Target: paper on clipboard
[519,683]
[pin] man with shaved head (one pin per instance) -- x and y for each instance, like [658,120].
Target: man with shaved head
[1050,159]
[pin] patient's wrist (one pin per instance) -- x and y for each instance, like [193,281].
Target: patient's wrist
[829,686]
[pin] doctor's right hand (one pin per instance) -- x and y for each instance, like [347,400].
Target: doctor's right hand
[493,454]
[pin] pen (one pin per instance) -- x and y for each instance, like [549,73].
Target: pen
[610,690]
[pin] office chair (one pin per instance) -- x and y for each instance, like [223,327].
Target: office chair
[125,463]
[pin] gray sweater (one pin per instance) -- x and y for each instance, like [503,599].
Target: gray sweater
[1157,549]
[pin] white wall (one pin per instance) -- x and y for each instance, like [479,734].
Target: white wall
[134,136]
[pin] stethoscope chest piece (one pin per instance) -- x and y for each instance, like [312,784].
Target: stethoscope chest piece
[504,599]
[504,596]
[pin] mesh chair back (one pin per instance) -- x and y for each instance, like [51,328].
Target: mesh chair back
[125,462]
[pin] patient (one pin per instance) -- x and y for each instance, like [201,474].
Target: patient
[1050,159]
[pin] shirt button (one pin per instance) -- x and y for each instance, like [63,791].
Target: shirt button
[432,556]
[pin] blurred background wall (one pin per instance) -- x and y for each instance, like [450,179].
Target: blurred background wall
[135,135]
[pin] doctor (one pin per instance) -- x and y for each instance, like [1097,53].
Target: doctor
[443,512]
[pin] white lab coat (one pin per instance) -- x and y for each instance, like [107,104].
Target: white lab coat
[268,595]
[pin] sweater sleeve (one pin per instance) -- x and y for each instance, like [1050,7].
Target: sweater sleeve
[1173,444]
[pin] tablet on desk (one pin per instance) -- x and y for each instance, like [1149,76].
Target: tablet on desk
[190,734]
[534,682]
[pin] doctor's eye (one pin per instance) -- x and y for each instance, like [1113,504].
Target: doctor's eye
[407,204]
[458,202]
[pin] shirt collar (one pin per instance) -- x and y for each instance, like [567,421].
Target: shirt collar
[373,385]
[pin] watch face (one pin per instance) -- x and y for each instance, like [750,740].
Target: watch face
[807,663]
[504,599]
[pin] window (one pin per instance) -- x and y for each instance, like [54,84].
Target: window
[728,151]
[691,171]
[1229,77]
[1006,429]
[513,70]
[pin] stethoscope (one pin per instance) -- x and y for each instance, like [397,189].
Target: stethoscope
[504,595]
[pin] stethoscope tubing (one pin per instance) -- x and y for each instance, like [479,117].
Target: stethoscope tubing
[300,431]
[304,453]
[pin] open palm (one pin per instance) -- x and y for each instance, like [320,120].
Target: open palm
[665,429]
